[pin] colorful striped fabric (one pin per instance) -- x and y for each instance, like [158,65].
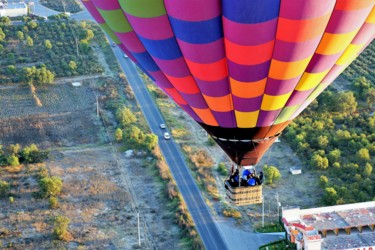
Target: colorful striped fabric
[244,67]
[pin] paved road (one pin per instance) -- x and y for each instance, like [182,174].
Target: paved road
[207,228]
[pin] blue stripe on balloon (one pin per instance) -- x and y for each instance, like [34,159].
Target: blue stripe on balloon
[145,71]
[166,49]
[202,32]
[146,61]
[251,11]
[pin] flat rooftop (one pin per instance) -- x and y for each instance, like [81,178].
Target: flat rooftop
[14,6]
[340,219]
[349,241]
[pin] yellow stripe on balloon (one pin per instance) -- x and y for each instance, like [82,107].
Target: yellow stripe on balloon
[350,53]
[286,113]
[246,119]
[271,102]
[335,43]
[310,80]
[288,70]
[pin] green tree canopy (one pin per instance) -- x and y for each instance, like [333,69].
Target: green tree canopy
[125,116]
[271,174]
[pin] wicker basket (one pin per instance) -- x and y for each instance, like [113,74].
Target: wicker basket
[241,196]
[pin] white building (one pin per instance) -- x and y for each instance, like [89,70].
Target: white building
[13,9]
[341,227]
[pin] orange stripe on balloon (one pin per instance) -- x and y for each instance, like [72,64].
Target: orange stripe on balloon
[206,116]
[172,92]
[249,55]
[185,85]
[353,4]
[301,30]
[220,104]
[247,89]
[208,72]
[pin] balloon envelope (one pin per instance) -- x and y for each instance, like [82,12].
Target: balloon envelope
[242,69]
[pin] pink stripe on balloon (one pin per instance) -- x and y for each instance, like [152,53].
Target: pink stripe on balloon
[305,9]
[155,28]
[267,118]
[175,68]
[320,63]
[280,87]
[366,32]
[193,10]
[294,51]
[93,11]
[342,22]
[161,79]
[249,34]
[298,97]
[203,53]
[107,4]
[132,41]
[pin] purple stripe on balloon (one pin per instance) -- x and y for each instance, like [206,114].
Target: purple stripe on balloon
[155,28]
[365,33]
[294,51]
[298,97]
[247,104]
[195,100]
[342,22]
[203,53]
[132,41]
[191,112]
[249,34]
[280,87]
[107,4]
[306,9]
[196,10]
[225,119]
[93,11]
[123,48]
[175,68]
[267,118]
[161,79]
[215,88]
[320,63]
[248,73]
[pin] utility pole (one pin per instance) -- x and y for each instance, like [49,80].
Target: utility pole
[262,210]
[278,205]
[97,105]
[139,232]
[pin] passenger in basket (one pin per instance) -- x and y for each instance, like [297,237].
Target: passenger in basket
[234,178]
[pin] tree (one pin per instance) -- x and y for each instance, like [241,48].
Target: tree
[271,174]
[363,155]
[32,24]
[370,97]
[323,181]
[48,44]
[5,21]
[118,134]
[360,86]
[330,196]
[334,155]
[50,186]
[29,41]
[72,65]
[346,103]
[61,225]
[11,69]
[150,141]
[2,35]
[20,35]
[89,35]
[323,141]
[13,160]
[125,116]
[319,161]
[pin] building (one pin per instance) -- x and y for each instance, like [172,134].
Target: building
[344,227]
[13,9]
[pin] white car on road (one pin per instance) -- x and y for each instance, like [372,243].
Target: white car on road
[167,136]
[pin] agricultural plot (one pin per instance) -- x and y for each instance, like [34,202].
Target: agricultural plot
[67,116]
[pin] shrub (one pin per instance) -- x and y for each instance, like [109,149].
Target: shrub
[61,225]
[50,186]
[222,169]
[4,188]
[53,202]
[271,174]
[13,161]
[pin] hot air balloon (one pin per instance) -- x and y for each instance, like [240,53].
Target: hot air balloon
[241,69]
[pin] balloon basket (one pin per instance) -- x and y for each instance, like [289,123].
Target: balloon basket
[241,196]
